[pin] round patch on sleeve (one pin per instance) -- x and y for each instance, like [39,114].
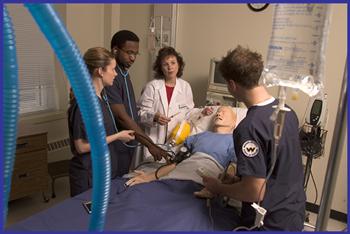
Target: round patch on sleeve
[250,148]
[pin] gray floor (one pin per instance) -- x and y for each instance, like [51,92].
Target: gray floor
[333,225]
[25,207]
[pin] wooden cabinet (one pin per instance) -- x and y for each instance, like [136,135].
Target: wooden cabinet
[30,171]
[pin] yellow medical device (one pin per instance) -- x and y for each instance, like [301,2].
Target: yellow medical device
[179,134]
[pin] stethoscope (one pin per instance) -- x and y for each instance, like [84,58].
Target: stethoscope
[105,98]
[125,74]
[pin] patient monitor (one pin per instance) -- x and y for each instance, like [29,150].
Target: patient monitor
[217,93]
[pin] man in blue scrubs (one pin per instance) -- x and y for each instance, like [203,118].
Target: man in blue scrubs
[283,194]
[125,46]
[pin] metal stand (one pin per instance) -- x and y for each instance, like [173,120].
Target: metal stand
[334,158]
[312,141]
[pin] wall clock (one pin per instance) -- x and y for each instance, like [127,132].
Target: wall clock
[257,6]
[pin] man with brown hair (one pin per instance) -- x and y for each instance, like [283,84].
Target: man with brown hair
[282,195]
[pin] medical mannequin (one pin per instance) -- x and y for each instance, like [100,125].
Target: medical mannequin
[283,195]
[218,144]
[101,65]
[125,47]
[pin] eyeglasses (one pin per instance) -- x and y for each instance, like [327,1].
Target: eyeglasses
[130,52]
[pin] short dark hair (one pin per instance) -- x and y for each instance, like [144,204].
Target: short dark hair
[243,66]
[164,52]
[120,37]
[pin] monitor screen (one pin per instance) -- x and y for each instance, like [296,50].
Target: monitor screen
[316,107]
[218,78]
[217,82]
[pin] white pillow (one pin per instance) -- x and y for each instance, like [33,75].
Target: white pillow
[201,123]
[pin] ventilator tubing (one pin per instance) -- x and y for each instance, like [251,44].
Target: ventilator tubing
[10,105]
[77,73]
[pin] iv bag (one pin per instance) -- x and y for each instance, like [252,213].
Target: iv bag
[296,52]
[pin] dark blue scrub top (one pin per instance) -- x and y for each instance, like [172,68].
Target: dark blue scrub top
[284,197]
[77,131]
[117,94]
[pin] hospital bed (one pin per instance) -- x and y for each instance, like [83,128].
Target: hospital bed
[162,205]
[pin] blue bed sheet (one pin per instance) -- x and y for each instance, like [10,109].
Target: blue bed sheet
[164,205]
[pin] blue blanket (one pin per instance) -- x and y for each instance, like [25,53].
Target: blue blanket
[165,205]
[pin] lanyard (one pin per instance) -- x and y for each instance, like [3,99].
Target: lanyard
[105,98]
[127,90]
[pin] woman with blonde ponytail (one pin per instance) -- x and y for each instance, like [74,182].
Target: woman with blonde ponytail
[101,65]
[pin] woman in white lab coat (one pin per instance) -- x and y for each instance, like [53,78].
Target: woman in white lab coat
[167,99]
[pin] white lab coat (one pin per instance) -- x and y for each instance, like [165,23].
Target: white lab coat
[154,99]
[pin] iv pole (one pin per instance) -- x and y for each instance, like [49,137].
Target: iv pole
[334,159]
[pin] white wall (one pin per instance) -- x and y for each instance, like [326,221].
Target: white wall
[86,25]
[209,30]
[136,18]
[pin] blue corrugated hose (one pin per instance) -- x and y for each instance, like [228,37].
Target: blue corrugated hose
[10,105]
[77,73]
